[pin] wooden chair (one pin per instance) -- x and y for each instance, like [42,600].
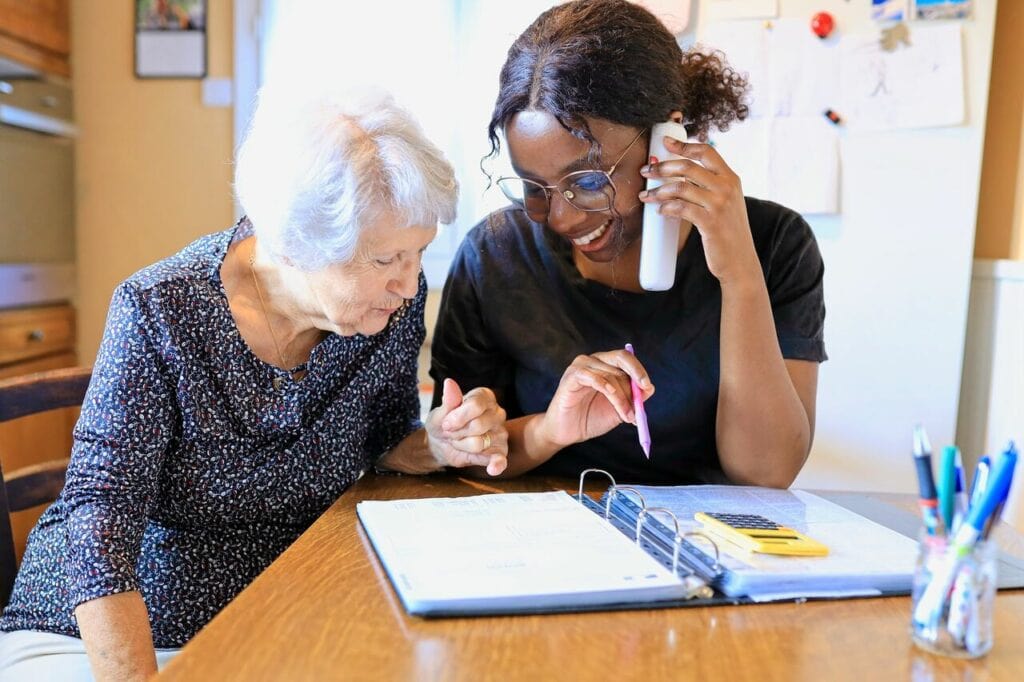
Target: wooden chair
[40,483]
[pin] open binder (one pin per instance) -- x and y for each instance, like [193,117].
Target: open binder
[634,548]
[531,552]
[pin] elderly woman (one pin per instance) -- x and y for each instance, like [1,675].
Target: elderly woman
[241,386]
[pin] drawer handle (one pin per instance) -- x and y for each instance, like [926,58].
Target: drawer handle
[36,335]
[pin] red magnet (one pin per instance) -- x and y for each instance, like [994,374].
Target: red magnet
[822,24]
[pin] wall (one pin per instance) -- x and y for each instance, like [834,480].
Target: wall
[1001,206]
[897,274]
[153,164]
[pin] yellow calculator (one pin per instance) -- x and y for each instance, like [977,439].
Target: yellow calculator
[755,533]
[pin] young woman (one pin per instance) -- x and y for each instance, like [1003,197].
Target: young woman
[544,295]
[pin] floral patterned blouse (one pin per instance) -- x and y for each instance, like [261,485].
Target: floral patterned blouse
[195,464]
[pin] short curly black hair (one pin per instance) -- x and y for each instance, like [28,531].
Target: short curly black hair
[613,60]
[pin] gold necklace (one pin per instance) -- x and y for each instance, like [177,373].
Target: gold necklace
[266,317]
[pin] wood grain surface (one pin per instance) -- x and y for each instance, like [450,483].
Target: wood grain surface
[325,610]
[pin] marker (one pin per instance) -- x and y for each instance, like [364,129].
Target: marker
[643,432]
[927,499]
[947,485]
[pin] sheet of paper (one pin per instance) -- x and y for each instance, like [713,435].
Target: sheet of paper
[745,44]
[817,594]
[916,86]
[857,546]
[488,548]
[803,164]
[744,148]
[804,70]
[742,9]
[771,157]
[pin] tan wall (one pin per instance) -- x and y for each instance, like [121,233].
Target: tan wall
[1001,204]
[153,164]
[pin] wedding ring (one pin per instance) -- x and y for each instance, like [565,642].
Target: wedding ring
[487,441]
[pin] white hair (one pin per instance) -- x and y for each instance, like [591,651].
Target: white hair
[315,169]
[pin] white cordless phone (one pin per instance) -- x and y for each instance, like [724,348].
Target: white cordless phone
[660,242]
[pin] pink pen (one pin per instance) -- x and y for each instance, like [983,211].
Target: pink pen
[641,416]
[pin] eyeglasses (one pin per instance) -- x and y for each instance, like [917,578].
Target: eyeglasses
[585,190]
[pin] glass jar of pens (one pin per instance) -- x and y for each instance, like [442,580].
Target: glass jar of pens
[954,621]
[955,579]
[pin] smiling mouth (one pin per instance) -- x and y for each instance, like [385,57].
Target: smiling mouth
[596,234]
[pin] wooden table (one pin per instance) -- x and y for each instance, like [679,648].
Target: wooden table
[325,610]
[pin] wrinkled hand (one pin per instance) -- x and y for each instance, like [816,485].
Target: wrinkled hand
[468,430]
[710,196]
[594,396]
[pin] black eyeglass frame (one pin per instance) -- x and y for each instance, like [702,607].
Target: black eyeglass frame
[567,193]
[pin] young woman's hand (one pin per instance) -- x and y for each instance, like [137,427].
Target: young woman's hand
[593,397]
[468,430]
[702,189]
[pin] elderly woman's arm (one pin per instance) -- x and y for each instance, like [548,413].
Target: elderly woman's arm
[117,637]
[120,440]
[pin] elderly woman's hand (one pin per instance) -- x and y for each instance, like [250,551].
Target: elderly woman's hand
[468,430]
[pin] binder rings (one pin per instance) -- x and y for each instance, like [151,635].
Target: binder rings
[550,552]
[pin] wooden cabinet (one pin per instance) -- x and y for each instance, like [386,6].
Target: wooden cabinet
[33,340]
[37,33]
[31,333]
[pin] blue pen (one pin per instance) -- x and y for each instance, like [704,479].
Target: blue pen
[929,606]
[927,498]
[994,495]
[980,479]
[960,490]
[993,519]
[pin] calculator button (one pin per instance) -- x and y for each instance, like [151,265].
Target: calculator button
[752,521]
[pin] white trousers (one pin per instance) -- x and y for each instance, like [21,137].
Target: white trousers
[27,655]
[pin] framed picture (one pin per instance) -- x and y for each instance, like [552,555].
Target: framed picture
[170,38]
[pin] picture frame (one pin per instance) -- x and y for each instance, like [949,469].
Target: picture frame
[170,38]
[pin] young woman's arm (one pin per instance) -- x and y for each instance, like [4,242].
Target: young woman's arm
[765,403]
[765,419]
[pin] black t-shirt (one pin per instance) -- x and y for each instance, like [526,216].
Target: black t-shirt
[515,313]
